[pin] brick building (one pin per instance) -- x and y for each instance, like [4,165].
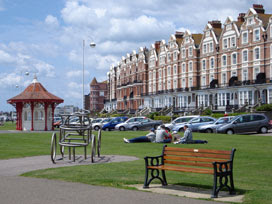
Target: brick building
[98,93]
[228,66]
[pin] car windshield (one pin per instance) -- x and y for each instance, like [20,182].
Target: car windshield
[223,120]
[236,117]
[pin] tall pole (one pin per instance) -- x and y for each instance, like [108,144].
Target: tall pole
[83,47]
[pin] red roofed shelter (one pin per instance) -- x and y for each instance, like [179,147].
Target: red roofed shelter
[35,107]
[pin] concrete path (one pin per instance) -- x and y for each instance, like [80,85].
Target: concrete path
[22,190]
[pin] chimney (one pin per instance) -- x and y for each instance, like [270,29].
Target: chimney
[241,17]
[179,34]
[258,8]
[157,45]
[215,23]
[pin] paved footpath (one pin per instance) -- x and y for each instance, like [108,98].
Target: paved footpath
[15,189]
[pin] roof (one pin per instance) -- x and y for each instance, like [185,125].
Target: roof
[94,81]
[35,92]
[197,38]
[264,18]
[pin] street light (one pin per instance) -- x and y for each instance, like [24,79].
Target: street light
[92,45]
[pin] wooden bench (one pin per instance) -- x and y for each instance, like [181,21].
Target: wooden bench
[219,163]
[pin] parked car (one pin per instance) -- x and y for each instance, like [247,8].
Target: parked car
[246,123]
[211,128]
[114,121]
[137,123]
[194,123]
[57,122]
[98,125]
[179,120]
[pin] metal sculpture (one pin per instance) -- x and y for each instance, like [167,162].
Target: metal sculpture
[76,131]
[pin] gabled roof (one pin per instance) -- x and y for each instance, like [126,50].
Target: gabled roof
[197,38]
[94,81]
[35,92]
[264,18]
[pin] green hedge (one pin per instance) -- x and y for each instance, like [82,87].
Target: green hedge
[165,119]
[265,107]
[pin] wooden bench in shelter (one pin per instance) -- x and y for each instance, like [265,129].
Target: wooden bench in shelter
[219,163]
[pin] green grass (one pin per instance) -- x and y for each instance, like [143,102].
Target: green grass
[252,162]
[8,126]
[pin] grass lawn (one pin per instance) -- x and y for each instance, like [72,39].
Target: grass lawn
[252,162]
[8,126]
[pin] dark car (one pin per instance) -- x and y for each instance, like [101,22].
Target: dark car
[112,123]
[246,123]
[139,123]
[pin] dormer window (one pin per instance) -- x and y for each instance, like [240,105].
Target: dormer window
[204,48]
[233,42]
[228,27]
[208,34]
[186,39]
[250,21]
[211,47]
[225,43]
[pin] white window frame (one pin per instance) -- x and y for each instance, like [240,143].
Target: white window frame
[175,69]
[183,67]
[169,71]
[191,81]
[203,64]
[183,82]
[203,80]
[175,57]
[256,38]
[211,64]
[183,52]
[211,47]
[224,62]
[244,40]
[190,51]
[254,51]
[256,71]
[204,48]
[232,58]
[243,60]
[233,42]
[225,43]
[224,78]
[190,66]
[244,77]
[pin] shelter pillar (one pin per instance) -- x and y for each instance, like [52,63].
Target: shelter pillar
[53,112]
[45,116]
[32,115]
[19,109]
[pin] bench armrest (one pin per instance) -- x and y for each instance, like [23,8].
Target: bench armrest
[154,161]
[220,167]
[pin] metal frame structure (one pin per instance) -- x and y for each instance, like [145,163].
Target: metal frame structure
[76,135]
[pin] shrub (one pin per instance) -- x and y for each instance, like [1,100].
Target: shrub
[207,111]
[265,107]
[152,115]
[165,119]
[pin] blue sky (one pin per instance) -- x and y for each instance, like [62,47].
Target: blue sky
[45,37]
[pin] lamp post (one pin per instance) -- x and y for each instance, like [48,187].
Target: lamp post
[92,45]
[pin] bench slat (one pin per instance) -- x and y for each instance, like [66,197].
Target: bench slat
[184,169]
[197,159]
[209,165]
[197,150]
[197,154]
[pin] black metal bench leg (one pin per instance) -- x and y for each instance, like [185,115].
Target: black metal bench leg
[214,192]
[164,178]
[232,191]
[146,184]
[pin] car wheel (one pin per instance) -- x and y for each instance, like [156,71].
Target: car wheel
[209,130]
[107,129]
[263,129]
[230,132]
[96,128]
[122,128]
[181,130]
[135,128]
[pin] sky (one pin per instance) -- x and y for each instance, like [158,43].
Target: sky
[45,37]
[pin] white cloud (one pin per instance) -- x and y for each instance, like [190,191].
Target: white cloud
[10,79]
[5,57]
[76,73]
[51,21]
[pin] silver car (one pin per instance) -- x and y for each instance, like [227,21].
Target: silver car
[246,123]
[179,120]
[137,123]
[212,128]
[98,125]
[195,123]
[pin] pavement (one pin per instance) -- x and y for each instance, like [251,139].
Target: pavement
[15,189]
